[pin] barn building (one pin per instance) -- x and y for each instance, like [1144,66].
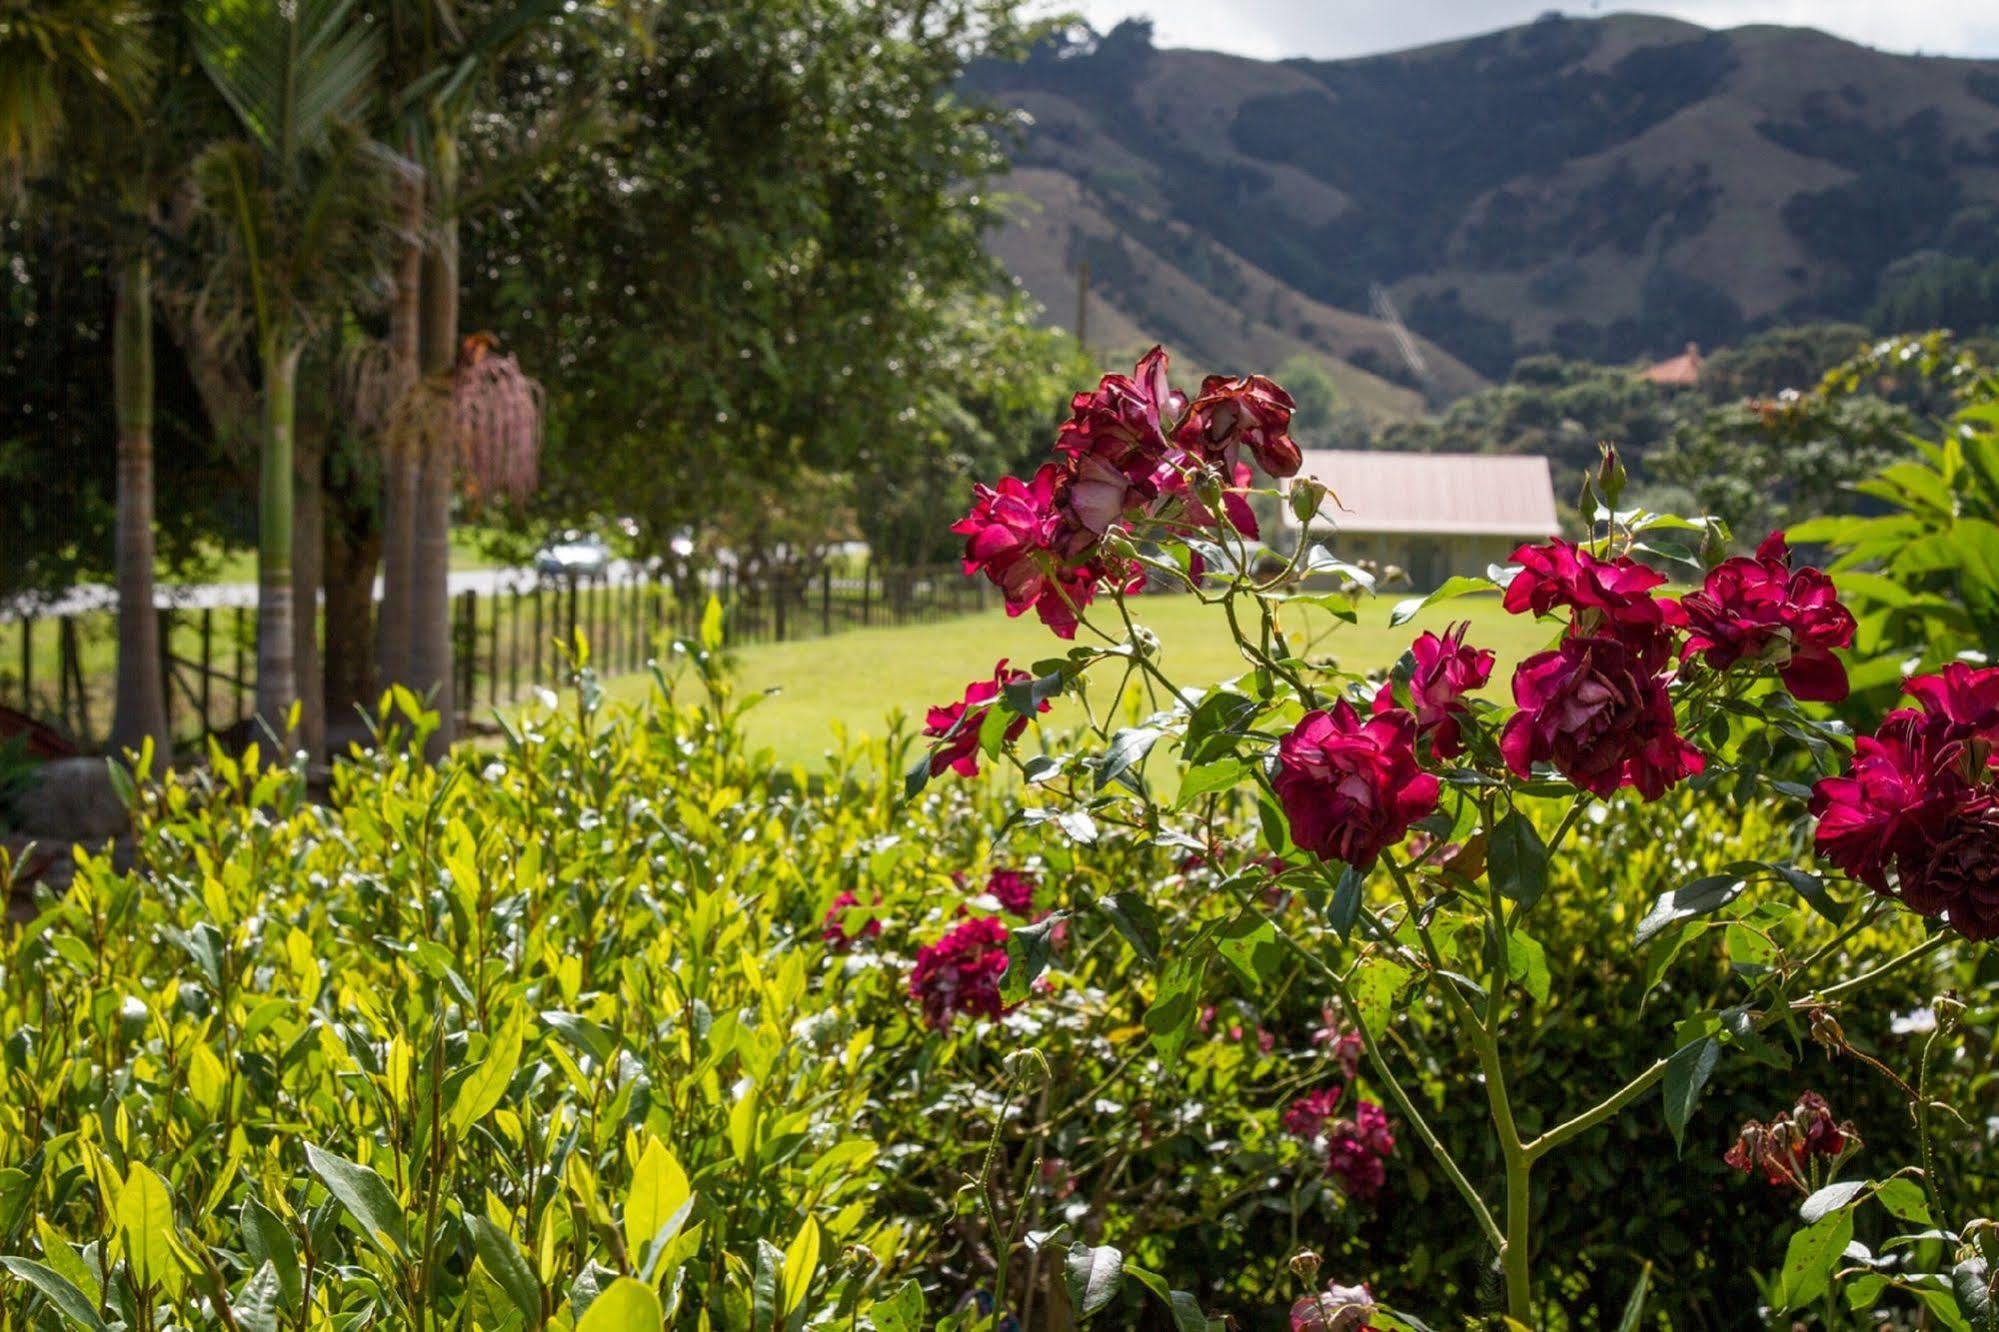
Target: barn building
[1433,515]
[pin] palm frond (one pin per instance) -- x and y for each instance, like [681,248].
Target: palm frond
[67,60]
[293,71]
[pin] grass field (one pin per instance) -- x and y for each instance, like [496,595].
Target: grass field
[858,679]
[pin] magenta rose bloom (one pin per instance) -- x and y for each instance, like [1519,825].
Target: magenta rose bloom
[1963,704]
[1014,889]
[1232,414]
[1351,788]
[1357,1152]
[1126,419]
[1762,610]
[1335,1309]
[1306,1116]
[1446,670]
[1606,595]
[1010,535]
[833,929]
[1593,709]
[957,725]
[960,973]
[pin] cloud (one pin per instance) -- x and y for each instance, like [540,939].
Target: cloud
[1328,29]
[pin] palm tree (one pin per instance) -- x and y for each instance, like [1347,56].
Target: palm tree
[94,62]
[440,66]
[299,207]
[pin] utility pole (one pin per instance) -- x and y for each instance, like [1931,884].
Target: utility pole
[1083,303]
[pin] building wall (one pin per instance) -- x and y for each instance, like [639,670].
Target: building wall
[1424,561]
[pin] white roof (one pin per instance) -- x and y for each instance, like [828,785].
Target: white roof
[1467,494]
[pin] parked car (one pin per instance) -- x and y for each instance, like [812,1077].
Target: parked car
[573,555]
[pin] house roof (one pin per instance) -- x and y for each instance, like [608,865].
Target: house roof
[1682,371]
[1468,494]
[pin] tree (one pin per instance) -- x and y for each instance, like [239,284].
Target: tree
[95,62]
[748,280]
[441,62]
[294,208]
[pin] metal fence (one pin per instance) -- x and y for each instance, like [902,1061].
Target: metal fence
[506,641]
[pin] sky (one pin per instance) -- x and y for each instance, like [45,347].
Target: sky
[1327,29]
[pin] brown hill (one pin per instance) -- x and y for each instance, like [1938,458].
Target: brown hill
[1610,188]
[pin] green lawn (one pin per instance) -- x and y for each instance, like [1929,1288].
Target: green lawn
[857,679]
[234,565]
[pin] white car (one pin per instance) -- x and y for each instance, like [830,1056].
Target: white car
[573,555]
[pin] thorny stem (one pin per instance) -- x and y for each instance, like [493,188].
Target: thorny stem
[1379,1061]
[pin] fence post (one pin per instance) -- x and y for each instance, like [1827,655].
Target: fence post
[514,645]
[27,663]
[537,677]
[167,674]
[207,664]
[236,703]
[65,645]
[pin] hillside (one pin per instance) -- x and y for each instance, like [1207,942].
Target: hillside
[1608,188]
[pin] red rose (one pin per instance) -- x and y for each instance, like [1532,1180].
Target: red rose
[1014,889]
[1593,709]
[1916,815]
[957,725]
[1781,1148]
[1351,788]
[1357,1152]
[1232,414]
[1010,535]
[960,973]
[1607,595]
[1306,1116]
[1126,419]
[1963,704]
[833,929]
[1446,670]
[1761,610]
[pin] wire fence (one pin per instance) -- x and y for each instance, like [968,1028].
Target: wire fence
[59,669]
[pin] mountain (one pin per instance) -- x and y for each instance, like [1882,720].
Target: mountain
[1607,188]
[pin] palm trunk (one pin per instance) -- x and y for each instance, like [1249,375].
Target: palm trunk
[308,536]
[430,608]
[277,680]
[352,554]
[399,466]
[140,710]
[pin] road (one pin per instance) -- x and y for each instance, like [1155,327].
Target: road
[216,596]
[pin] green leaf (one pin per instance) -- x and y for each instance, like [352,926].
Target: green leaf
[1812,888]
[1457,586]
[1527,963]
[1687,1071]
[1344,909]
[1810,1259]
[1221,775]
[711,624]
[1093,1276]
[365,1195]
[801,1261]
[1375,983]
[1170,1019]
[258,1305]
[57,1289]
[624,1306]
[267,1240]
[1024,698]
[901,1312]
[1133,917]
[506,1264]
[1830,1199]
[1249,945]
[1702,897]
[145,1226]
[659,1190]
[1634,1308]
[480,1093]
[1905,1198]
[1029,949]
[1517,859]
[1127,750]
